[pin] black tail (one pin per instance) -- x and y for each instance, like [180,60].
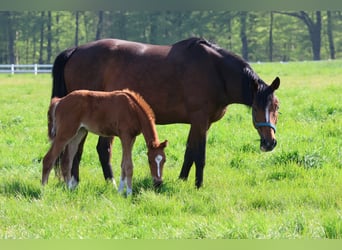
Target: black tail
[59,87]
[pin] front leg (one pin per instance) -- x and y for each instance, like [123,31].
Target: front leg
[126,164]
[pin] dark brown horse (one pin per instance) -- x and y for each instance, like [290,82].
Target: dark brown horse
[116,113]
[192,81]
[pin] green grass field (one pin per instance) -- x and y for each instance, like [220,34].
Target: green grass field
[292,192]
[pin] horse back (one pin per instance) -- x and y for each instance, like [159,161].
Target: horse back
[175,80]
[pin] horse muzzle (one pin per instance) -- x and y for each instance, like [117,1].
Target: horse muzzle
[157,182]
[267,145]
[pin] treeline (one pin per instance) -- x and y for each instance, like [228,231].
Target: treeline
[37,37]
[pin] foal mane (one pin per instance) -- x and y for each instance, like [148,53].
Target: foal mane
[140,101]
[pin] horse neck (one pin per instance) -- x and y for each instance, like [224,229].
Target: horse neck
[240,90]
[148,128]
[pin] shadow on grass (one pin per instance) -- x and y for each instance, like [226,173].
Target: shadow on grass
[18,188]
[146,184]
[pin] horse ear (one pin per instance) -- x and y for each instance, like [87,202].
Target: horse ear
[163,144]
[275,84]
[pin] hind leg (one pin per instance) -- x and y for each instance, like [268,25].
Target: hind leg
[104,150]
[50,158]
[68,156]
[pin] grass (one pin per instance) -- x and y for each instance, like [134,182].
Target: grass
[292,192]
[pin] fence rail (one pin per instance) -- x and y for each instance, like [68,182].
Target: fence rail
[25,68]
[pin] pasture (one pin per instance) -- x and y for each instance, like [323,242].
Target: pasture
[292,192]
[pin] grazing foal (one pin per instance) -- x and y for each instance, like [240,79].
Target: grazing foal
[118,113]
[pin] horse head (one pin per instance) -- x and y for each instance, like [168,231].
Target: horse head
[265,113]
[156,159]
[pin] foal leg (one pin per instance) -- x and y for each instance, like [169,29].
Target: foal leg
[51,157]
[104,150]
[68,156]
[126,164]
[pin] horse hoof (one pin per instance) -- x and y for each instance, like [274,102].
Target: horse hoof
[72,183]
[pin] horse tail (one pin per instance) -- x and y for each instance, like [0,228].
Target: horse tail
[59,87]
[52,128]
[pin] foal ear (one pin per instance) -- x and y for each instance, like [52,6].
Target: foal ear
[275,84]
[163,144]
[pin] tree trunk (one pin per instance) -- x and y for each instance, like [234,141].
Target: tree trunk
[315,35]
[330,35]
[76,27]
[57,33]
[270,41]
[11,37]
[243,35]
[99,26]
[41,43]
[314,29]
[49,38]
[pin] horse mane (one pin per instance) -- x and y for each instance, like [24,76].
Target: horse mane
[146,108]
[236,62]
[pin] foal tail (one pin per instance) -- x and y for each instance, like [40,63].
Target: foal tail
[58,85]
[52,119]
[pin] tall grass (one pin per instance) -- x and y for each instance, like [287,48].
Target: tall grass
[292,192]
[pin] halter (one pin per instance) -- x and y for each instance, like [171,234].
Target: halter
[264,124]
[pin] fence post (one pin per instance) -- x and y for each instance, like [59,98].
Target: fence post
[35,69]
[12,69]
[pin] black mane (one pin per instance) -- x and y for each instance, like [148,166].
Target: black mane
[249,77]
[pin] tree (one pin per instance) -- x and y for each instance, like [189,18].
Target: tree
[270,40]
[49,37]
[99,25]
[41,42]
[314,29]
[77,24]
[243,35]
[11,37]
[330,35]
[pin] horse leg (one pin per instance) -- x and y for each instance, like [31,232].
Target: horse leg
[77,159]
[188,161]
[51,157]
[104,150]
[195,152]
[199,156]
[70,152]
[126,164]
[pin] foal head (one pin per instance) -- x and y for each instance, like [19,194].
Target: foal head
[156,159]
[265,114]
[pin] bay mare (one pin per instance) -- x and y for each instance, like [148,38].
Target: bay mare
[191,81]
[117,113]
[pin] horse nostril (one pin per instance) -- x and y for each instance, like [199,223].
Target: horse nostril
[266,145]
[158,183]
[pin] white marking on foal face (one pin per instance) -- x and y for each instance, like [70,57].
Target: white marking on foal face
[158,159]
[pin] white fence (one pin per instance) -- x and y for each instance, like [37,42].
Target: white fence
[27,68]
